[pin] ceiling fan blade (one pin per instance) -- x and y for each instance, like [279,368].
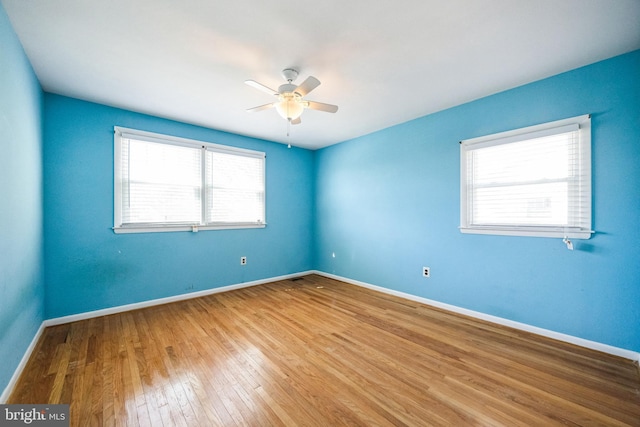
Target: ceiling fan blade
[320,106]
[296,121]
[261,87]
[307,86]
[261,108]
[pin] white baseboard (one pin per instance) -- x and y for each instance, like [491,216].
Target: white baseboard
[23,362]
[605,348]
[150,303]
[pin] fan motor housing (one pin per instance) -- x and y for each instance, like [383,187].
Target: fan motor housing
[286,88]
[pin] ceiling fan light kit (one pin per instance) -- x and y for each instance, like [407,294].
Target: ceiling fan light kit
[290,106]
[291,103]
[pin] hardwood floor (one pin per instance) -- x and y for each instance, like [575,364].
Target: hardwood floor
[319,352]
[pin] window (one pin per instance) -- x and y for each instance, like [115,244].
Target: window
[534,181]
[164,183]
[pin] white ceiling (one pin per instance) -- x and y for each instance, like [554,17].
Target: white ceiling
[382,62]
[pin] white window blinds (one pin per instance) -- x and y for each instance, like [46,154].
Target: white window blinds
[161,183]
[165,183]
[534,181]
[235,188]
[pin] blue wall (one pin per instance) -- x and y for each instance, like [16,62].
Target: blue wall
[88,267]
[388,204]
[21,265]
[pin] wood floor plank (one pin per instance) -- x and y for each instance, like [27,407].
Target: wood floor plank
[315,351]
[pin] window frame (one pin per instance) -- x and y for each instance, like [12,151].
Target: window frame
[120,228]
[583,125]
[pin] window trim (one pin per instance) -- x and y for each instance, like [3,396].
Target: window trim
[582,124]
[118,228]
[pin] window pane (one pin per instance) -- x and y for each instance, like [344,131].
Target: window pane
[522,183]
[162,183]
[540,204]
[524,161]
[235,188]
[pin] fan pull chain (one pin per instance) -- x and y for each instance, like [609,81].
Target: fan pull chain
[289,133]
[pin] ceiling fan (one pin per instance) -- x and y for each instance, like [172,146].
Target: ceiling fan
[291,102]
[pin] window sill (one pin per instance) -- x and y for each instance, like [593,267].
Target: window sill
[191,228]
[529,232]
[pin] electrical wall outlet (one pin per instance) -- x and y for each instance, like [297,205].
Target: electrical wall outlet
[243,260]
[426,272]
